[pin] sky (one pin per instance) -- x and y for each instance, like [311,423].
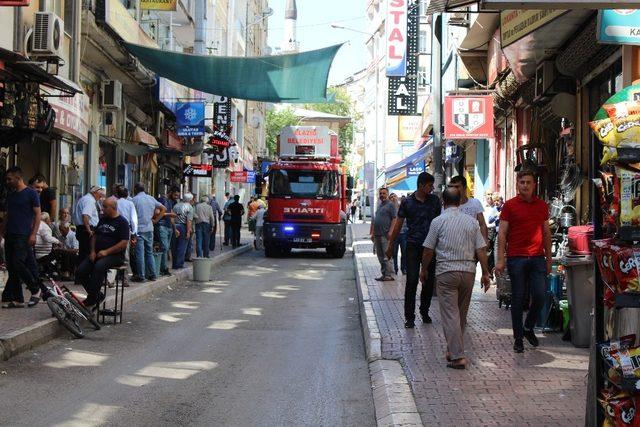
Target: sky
[314,31]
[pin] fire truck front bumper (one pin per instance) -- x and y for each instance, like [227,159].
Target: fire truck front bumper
[304,235]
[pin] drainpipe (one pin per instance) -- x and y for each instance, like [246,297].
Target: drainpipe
[436,87]
[18,32]
[200,30]
[76,15]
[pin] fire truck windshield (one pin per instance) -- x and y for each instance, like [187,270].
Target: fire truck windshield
[301,184]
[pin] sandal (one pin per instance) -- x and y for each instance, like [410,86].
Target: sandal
[455,364]
[388,279]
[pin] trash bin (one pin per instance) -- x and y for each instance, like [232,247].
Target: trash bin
[201,269]
[157,258]
[564,306]
[580,295]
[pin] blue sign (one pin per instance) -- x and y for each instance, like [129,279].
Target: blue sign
[190,118]
[620,26]
[417,169]
[251,177]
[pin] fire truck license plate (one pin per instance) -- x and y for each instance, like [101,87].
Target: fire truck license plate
[301,240]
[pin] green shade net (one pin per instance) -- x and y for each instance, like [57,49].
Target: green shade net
[293,78]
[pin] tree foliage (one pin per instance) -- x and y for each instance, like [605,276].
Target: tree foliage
[276,120]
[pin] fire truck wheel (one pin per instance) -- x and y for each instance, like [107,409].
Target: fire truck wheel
[337,250]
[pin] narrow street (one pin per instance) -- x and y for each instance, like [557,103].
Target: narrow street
[266,342]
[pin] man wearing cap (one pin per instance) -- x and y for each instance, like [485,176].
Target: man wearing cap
[183,221]
[86,217]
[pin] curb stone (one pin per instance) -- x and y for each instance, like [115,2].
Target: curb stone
[393,399]
[24,339]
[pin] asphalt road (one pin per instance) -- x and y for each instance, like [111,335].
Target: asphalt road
[266,342]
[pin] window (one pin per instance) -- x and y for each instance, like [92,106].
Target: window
[423,7]
[303,184]
[423,42]
[68,17]
[423,77]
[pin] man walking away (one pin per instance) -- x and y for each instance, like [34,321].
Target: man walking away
[19,229]
[236,212]
[217,212]
[86,217]
[259,216]
[108,245]
[167,228]
[456,240]
[183,221]
[469,205]
[525,236]
[418,210]
[227,219]
[204,219]
[149,213]
[379,230]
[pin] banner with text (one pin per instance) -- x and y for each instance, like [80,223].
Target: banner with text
[396,34]
[190,118]
[468,117]
[403,90]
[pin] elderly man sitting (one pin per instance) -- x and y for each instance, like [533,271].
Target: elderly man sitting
[107,247]
[67,255]
[45,241]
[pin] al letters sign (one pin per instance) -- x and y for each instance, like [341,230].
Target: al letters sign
[468,117]
[396,33]
[620,26]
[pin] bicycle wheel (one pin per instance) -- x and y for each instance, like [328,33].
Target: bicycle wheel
[84,310]
[68,319]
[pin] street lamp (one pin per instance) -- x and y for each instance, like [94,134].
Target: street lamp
[340,27]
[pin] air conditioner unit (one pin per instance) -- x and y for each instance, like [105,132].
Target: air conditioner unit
[545,77]
[159,124]
[111,95]
[47,34]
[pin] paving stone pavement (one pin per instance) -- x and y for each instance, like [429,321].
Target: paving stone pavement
[542,387]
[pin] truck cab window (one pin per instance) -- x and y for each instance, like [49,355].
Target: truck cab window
[303,184]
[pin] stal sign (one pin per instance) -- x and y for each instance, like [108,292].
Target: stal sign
[197,170]
[396,31]
[403,90]
[468,117]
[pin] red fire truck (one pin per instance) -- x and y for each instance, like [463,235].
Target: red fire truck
[308,192]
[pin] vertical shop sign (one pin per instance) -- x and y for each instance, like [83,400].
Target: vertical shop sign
[468,117]
[190,118]
[403,90]
[396,33]
[222,130]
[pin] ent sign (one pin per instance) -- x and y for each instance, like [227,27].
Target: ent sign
[396,32]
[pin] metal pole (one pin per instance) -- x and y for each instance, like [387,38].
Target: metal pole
[436,89]
[199,38]
[374,201]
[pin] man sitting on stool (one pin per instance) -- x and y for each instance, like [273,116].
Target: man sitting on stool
[107,248]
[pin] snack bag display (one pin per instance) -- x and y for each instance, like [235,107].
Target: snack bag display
[604,260]
[626,265]
[621,110]
[622,132]
[604,130]
[610,364]
[629,196]
[619,408]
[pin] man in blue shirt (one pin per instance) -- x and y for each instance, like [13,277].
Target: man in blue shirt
[418,210]
[149,213]
[20,228]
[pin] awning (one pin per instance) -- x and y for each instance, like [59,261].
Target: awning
[23,69]
[145,138]
[405,184]
[293,78]
[437,6]
[413,159]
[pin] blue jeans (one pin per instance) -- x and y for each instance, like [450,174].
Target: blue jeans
[523,271]
[203,234]
[212,238]
[400,244]
[165,239]
[145,264]
[180,247]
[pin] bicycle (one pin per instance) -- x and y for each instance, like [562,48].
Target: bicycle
[67,307]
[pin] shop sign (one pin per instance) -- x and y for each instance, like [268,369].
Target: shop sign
[72,114]
[619,26]
[408,127]
[515,24]
[14,2]
[166,5]
[403,91]
[251,177]
[396,33]
[117,17]
[239,176]
[564,4]
[221,159]
[197,170]
[468,117]
[190,118]
[220,139]
[417,169]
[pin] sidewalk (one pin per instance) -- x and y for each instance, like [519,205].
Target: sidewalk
[546,386]
[25,328]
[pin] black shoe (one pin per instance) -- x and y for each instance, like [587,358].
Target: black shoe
[137,279]
[152,279]
[165,273]
[518,346]
[426,319]
[409,324]
[531,337]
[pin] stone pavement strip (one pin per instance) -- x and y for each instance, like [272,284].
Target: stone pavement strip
[23,329]
[542,387]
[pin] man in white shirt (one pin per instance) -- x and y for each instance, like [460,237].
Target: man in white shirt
[86,217]
[68,253]
[259,217]
[469,205]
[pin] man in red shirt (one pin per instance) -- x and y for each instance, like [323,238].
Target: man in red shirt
[524,233]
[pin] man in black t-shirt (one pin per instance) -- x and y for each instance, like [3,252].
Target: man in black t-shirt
[48,202]
[236,211]
[108,246]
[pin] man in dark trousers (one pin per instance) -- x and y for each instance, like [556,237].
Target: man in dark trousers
[236,212]
[108,245]
[20,228]
[418,210]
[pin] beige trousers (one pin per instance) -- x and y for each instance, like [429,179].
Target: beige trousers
[454,295]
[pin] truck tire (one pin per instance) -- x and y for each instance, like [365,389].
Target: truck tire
[337,250]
